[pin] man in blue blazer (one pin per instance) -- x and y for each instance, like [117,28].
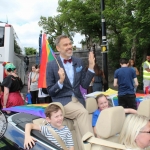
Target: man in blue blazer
[64,78]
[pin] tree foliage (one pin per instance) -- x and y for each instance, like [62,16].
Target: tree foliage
[53,27]
[127,24]
[30,51]
[82,17]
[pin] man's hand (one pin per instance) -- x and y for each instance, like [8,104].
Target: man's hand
[29,142]
[61,75]
[91,61]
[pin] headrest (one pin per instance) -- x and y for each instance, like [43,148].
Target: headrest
[60,105]
[91,105]
[110,121]
[144,108]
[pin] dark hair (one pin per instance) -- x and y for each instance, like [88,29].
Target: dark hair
[97,70]
[58,39]
[99,96]
[130,62]
[11,69]
[148,54]
[50,109]
[124,61]
[34,65]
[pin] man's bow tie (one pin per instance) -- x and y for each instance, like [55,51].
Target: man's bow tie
[69,60]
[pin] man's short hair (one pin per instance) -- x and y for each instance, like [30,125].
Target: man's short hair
[50,109]
[58,38]
[148,54]
[124,61]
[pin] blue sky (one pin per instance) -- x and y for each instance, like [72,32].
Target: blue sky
[24,15]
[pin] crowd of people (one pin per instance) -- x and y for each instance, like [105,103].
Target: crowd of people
[64,77]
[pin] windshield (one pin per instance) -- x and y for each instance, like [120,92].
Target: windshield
[2,36]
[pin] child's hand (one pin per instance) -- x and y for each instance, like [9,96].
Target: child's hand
[29,142]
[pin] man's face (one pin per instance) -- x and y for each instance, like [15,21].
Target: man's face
[148,58]
[65,48]
[143,138]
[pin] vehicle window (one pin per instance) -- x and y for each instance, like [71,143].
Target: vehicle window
[2,36]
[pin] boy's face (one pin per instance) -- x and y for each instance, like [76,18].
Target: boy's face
[56,119]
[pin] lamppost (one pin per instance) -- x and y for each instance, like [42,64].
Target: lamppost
[104,45]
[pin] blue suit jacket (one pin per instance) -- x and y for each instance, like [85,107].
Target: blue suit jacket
[64,95]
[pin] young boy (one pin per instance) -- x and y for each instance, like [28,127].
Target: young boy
[54,118]
[123,78]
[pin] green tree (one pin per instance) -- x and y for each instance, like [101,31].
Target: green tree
[30,51]
[53,27]
[82,17]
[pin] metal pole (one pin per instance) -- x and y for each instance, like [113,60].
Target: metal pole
[104,45]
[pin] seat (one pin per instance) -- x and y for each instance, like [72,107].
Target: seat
[144,108]
[108,126]
[91,106]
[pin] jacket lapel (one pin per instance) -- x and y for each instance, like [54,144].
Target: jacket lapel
[62,66]
[74,64]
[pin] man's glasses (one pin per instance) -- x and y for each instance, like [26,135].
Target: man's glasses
[145,132]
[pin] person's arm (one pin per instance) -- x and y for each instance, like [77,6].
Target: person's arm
[95,132]
[87,76]
[29,82]
[55,77]
[136,82]
[71,148]
[115,82]
[29,140]
[69,141]
[137,72]
[130,111]
[146,67]
[6,93]
[91,61]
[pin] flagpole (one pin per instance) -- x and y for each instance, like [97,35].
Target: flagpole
[57,62]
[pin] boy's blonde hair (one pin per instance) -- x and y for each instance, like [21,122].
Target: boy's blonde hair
[50,109]
[131,128]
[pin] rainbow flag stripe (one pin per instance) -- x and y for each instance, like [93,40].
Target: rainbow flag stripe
[34,109]
[47,55]
[139,98]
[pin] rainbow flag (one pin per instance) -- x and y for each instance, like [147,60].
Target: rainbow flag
[46,56]
[34,109]
[139,98]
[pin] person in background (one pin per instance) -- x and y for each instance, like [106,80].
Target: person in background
[146,72]
[98,79]
[123,78]
[33,84]
[103,103]
[43,96]
[132,65]
[54,119]
[11,88]
[135,134]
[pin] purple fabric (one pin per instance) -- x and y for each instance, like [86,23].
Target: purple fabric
[83,91]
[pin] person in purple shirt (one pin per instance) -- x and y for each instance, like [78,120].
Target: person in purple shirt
[103,103]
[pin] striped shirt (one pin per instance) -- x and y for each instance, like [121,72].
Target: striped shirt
[64,133]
